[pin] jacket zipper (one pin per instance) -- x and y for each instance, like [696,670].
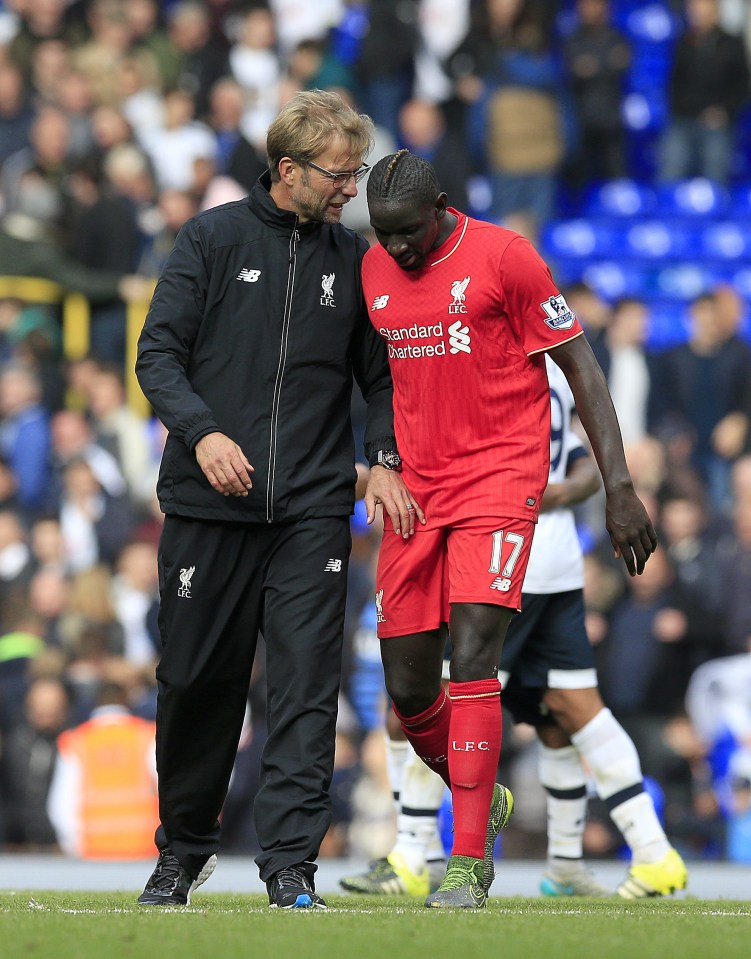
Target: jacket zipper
[294,240]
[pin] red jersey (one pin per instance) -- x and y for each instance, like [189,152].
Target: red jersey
[466,336]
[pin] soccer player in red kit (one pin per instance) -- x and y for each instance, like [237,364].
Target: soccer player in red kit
[468,310]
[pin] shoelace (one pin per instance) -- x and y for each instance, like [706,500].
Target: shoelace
[292,876]
[166,874]
[458,875]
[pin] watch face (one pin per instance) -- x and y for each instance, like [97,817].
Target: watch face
[389,459]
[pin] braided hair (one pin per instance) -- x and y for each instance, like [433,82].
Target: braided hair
[403,175]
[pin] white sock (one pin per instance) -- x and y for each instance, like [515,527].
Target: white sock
[417,824]
[562,777]
[615,768]
[397,754]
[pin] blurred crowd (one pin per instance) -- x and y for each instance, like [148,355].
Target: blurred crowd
[120,119]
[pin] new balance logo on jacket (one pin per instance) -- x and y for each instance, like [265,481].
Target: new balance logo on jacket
[333,566]
[248,276]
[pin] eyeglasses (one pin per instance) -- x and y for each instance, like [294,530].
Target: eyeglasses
[339,179]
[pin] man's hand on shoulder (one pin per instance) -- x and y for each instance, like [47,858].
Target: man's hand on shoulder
[224,464]
[386,488]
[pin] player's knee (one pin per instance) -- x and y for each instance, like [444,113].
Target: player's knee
[411,695]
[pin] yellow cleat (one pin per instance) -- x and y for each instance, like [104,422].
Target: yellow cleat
[390,877]
[661,878]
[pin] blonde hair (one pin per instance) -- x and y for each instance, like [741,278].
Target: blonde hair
[307,125]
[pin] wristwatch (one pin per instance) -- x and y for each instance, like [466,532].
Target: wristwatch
[389,459]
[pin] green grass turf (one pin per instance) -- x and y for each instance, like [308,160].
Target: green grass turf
[54,925]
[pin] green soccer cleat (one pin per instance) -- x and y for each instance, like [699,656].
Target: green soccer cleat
[390,876]
[661,878]
[571,878]
[462,886]
[501,808]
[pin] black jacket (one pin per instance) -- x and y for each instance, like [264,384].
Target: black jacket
[256,328]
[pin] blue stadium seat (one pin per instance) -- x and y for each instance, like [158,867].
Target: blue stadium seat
[740,202]
[577,238]
[685,281]
[658,240]
[696,197]
[612,279]
[726,241]
[620,198]
[649,23]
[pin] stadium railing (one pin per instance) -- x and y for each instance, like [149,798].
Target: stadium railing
[76,325]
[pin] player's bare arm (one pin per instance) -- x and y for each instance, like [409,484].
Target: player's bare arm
[629,526]
[224,464]
[386,488]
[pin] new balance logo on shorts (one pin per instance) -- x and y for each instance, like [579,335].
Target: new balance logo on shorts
[333,566]
[501,583]
[248,276]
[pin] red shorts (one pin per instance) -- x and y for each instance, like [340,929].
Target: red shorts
[482,561]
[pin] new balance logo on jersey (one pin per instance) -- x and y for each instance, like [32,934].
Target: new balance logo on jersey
[458,290]
[502,584]
[459,338]
[379,302]
[248,276]
[327,284]
[558,314]
[379,606]
[333,566]
[185,577]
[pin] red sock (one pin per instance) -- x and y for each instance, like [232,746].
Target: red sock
[428,733]
[475,748]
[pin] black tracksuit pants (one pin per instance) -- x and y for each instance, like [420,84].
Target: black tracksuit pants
[221,583]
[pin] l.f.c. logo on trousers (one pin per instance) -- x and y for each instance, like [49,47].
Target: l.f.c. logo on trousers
[185,577]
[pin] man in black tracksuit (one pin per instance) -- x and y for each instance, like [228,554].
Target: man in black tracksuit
[248,353]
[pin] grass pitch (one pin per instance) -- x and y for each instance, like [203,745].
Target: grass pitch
[44,925]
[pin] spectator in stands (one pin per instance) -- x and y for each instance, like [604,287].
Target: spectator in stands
[16,115]
[25,434]
[90,604]
[46,157]
[734,573]
[641,659]
[135,593]
[41,21]
[21,645]
[703,388]
[709,83]
[174,149]
[518,125]
[99,58]
[16,561]
[25,243]
[95,525]
[138,93]
[48,599]
[121,431]
[175,207]
[27,759]
[627,365]
[254,64]
[102,799]
[73,438]
[46,544]
[193,61]
[597,58]
[385,65]
[423,130]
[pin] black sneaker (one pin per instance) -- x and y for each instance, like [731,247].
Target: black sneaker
[293,888]
[169,884]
